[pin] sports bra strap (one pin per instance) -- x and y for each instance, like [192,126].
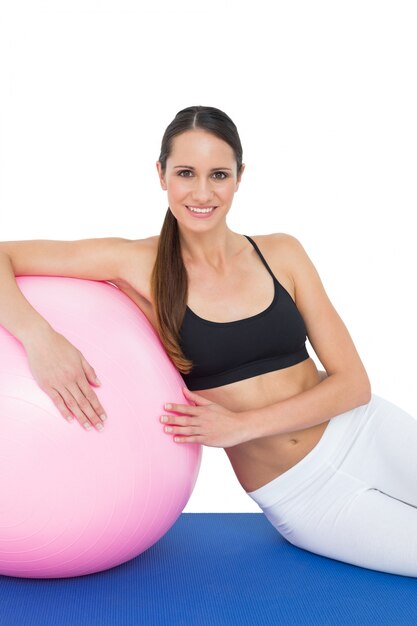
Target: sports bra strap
[261,256]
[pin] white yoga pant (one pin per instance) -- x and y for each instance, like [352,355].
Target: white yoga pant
[353,497]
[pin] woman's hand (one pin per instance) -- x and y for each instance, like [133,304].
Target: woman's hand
[63,373]
[206,423]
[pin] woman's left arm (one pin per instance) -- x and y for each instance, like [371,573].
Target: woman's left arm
[343,386]
[346,385]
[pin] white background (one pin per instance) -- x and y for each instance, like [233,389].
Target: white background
[324,97]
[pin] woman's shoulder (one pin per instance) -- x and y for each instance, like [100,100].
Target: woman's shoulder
[282,239]
[138,262]
[282,246]
[288,256]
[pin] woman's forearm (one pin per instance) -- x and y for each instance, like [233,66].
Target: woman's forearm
[16,314]
[333,395]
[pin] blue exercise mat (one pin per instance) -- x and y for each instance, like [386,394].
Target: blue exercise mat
[212,569]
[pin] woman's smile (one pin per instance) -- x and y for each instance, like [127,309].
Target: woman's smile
[201,211]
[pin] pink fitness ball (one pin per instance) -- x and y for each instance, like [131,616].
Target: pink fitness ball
[72,501]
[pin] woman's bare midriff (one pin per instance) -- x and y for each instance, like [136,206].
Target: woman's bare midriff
[258,461]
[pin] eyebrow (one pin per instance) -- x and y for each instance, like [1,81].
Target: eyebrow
[190,167]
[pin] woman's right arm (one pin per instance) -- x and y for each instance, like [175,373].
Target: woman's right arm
[16,314]
[58,367]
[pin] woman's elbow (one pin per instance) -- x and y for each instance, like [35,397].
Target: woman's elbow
[367,391]
[362,387]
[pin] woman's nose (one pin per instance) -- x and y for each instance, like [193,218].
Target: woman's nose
[202,191]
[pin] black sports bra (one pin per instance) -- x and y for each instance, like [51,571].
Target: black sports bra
[225,352]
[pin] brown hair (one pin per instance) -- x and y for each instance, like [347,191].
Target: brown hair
[169,281]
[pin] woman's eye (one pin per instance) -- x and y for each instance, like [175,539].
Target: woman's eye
[183,172]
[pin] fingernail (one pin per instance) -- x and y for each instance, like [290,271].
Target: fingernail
[167,406]
[87,425]
[98,381]
[70,418]
[103,416]
[99,426]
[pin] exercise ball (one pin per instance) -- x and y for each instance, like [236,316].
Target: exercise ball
[72,501]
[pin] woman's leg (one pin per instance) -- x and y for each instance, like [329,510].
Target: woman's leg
[385,455]
[357,524]
[354,496]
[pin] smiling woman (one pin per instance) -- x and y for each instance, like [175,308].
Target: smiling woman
[207,185]
[324,458]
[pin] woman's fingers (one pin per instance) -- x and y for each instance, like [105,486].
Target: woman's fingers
[183,430]
[58,400]
[91,397]
[89,372]
[70,400]
[65,375]
[81,406]
[180,424]
[179,420]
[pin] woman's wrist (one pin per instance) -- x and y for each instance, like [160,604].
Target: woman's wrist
[34,331]
[248,425]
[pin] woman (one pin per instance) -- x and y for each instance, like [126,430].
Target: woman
[332,466]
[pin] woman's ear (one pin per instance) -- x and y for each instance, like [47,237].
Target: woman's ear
[239,176]
[161,175]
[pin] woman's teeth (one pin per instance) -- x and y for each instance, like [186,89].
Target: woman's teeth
[196,210]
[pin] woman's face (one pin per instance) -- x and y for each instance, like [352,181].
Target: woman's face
[201,172]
